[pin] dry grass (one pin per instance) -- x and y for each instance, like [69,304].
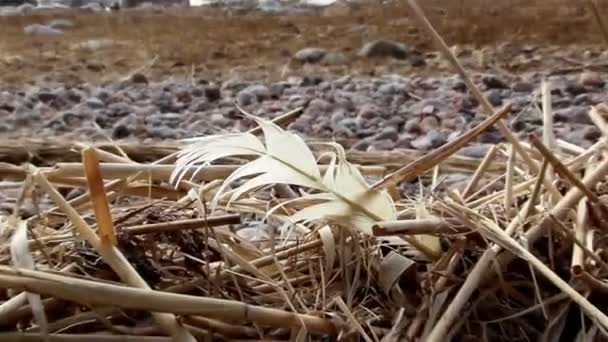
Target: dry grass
[139,259]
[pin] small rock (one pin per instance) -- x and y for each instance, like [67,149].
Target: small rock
[577,137]
[162,132]
[387,133]
[309,81]
[417,61]
[431,140]
[47,97]
[318,108]
[572,114]
[93,7]
[591,133]
[257,92]
[384,48]
[581,99]
[404,141]
[523,87]
[459,85]
[212,93]
[120,131]
[574,88]
[591,79]
[475,151]
[494,96]
[429,123]
[277,89]
[60,24]
[39,29]
[493,82]
[219,120]
[310,55]
[138,78]
[72,119]
[334,58]
[428,109]
[368,111]
[490,137]
[389,89]
[94,103]
[412,126]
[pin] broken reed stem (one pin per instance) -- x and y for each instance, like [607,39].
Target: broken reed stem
[485,163]
[265,260]
[113,257]
[8,308]
[580,231]
[213,325]
[592,282]
[105,227]
[483,101]
[431,226]
[500,237]
[548,134]
[80,290]
[173,226]
[572,197]
[80,200]
[282,120]
[481,270]
[508,199]
[587,252]
[598,119]
[37,337]
[163,172]
[482,267]
[428,161]
[561,169]
[104,156]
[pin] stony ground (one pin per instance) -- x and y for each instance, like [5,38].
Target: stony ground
[166,74]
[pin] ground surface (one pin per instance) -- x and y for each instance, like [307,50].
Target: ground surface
[193,64]
[218,43]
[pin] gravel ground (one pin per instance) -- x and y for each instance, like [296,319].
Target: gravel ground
[384,113]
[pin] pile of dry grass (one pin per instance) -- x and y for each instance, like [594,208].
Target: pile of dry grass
[286,240]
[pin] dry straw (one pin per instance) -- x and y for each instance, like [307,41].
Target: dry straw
[264,235]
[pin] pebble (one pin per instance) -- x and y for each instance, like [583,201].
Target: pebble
[60,24]
[591,79]
[475,151]
[388,133]
[310,55]
[429,123]
[430,140]
[94,103]
[212,93]
[412,126]
[138,78]
[334,58]
[574,88]
[38,29]
[523,87]
[494,96]
[493,82]
[572,114]
[384,48]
